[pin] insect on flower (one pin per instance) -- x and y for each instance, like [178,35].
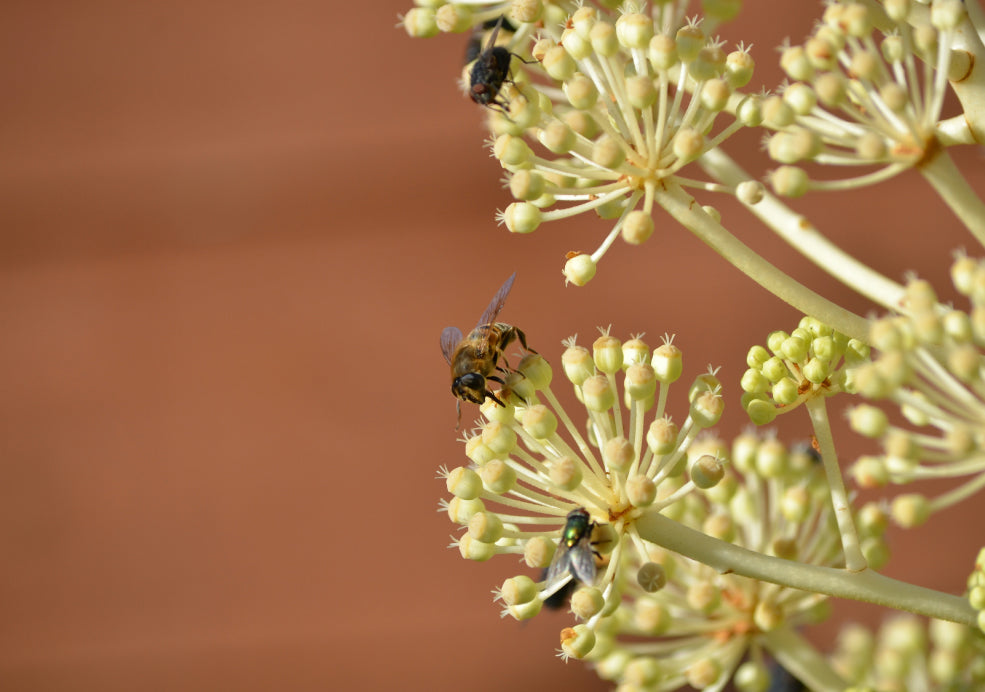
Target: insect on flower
[490,71]
[474,46]
[574,555]
[475,358]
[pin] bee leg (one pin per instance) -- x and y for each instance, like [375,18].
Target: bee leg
[495,378]
[523,341]
[493,396]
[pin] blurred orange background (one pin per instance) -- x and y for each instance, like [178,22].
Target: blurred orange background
[230,235]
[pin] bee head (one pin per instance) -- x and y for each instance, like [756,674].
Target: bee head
[470,387]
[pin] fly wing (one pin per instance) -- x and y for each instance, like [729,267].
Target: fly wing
[489,316]
[559,565]
[450,338]
[581,561]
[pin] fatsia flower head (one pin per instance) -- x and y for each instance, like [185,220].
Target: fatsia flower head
[565,499]
[929,363]
[603,107]
[868,90]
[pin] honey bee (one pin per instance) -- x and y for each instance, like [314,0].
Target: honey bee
[475,358]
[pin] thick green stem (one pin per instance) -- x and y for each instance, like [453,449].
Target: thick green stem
[867,585]
[854,560]
[954,189]
[803,237]
[689,213]
[802,660]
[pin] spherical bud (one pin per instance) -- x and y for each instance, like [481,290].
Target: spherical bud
[795,504]
[895,97]
[750,111]
[582,123]
[497,477]
[706,471]
[634,351]
[461,510]
[750,192]
[739,67]
[706,409]
[709,63]
[785,392]
[760,411]
[637,227]
[688,144]
[946,15]
[715,95]
[661,436]
[526,185]
[897,10]
[517,590]
[486,527]
[640,382]
[578,641]
[768,616]
[875,550]
[910,511]
[703,673]
[420,22]
[471,549]
[607,152]
[869,472]
[641,491]
[690,41]
[785,548]
[865,65]
[607,354]
[872,519]
[578,364]
[579,269]
[777,113]
[537,552]
[477,451]
[651,617]
[634,30]
[499,438]
[536,371]
[584,19]
[454,18]
[662,52]
[831,88]
[754,382]
[612,664]
[868,420]
[800,97]
[642,673]
[789,181]
[618,454]
[667,363]
[581,92]
[586,602]
[464,483]
[965,361]
[511,151]
[772,459]
[752,676]
[597,394]
[703,596]
[721,526]
[565,473]
[816,371]
[558,63]
[795,63]
[820,53]
[558,137]
[640,91]
[604,40]
[539,422]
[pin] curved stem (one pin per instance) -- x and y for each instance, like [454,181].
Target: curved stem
[687,212]
[954,189]
[865,586]
[854,560]
[802,236]
[796,654]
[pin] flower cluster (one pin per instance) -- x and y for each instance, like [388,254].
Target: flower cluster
[930,364]
[601,114]
[869,89]
[813,360]
[908,653]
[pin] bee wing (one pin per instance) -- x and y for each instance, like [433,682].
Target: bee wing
[581,561]
[450,338]
[495,32]
[489,316]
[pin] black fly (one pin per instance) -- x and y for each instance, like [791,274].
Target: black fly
[490,71]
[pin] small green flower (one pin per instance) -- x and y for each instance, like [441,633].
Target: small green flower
[813,360]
